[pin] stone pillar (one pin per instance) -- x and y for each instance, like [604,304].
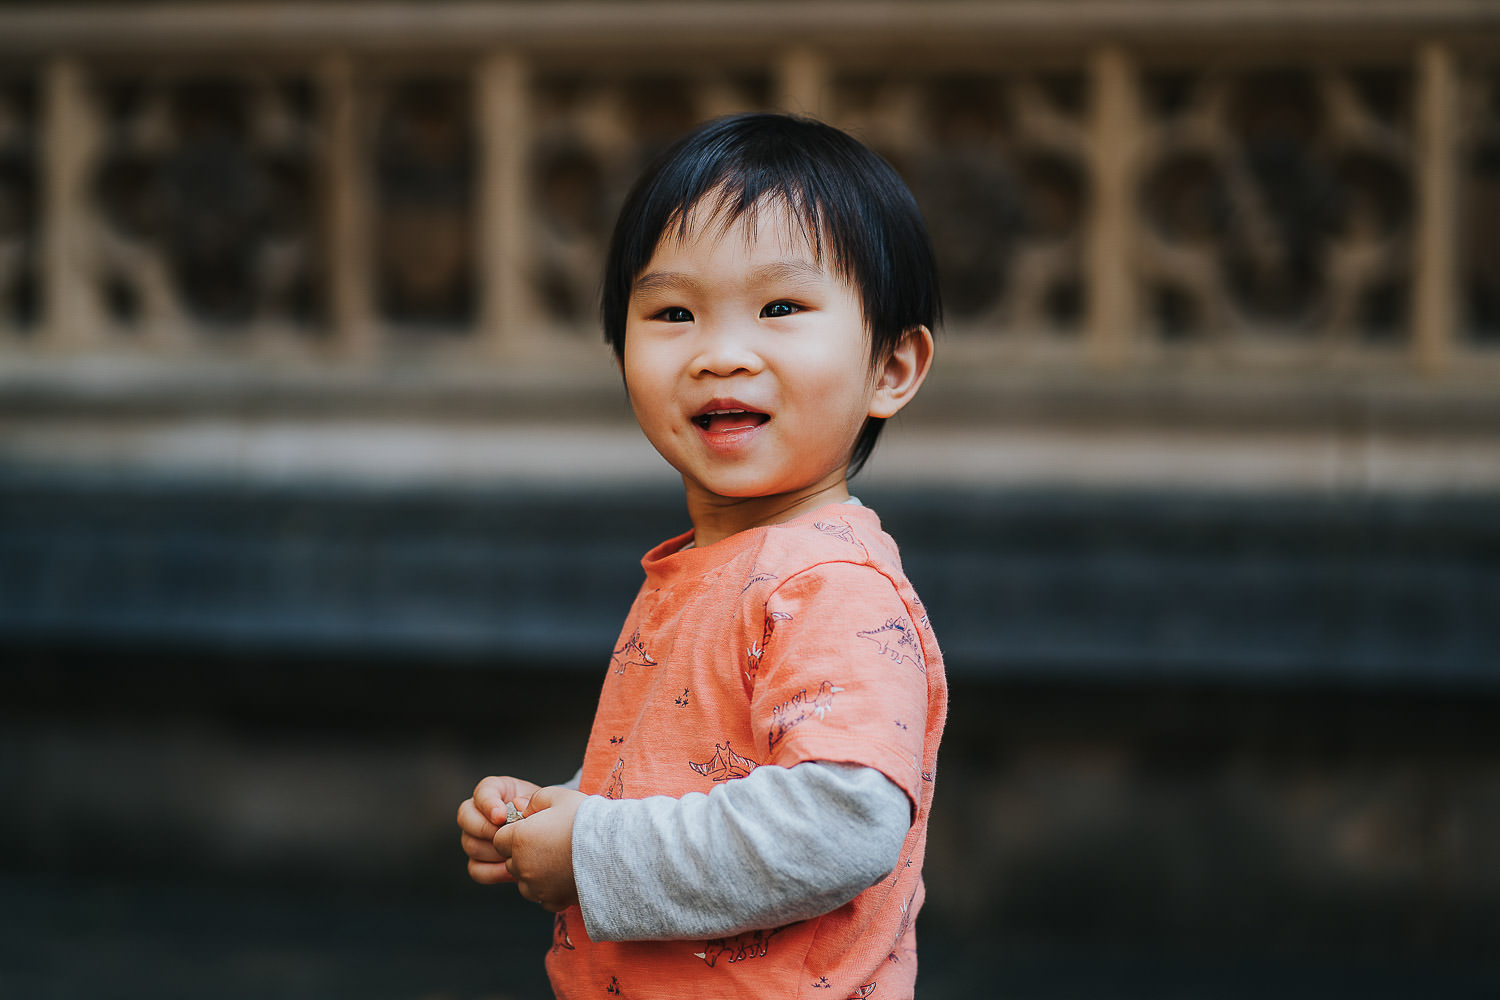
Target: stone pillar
[70,307]
[347,224]
[802,83]
[1434,293]
[507,317]
[1112,316]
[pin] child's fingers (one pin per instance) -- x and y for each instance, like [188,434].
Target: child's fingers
[539,800]
[472,822]
[504,841]
[491,795]
[481,850]
[507,812]
[551,797]
[489,799]
[486,873]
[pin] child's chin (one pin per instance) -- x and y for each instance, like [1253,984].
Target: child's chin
[743,493]
[742,489]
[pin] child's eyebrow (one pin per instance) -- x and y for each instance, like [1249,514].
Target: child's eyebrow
[793,269]
[664,281]
[787,269]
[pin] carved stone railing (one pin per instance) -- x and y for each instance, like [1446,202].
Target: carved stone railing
[1112,186]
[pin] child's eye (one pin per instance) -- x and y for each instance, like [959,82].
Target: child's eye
[776,310]
[674,314]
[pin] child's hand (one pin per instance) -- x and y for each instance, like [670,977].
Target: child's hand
[539,849]
[481,816]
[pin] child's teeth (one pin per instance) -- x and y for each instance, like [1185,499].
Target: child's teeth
[734,419]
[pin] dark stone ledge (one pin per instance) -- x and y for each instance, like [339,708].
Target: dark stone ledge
[1092,586]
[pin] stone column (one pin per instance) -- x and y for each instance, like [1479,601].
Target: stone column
[507,317]
[70,305]
[346,180]
[1434,292]
[1112,316]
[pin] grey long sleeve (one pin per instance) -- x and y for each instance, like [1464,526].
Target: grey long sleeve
[778,845]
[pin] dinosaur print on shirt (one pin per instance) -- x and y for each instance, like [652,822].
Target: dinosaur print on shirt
[616,787]
[724,765]
[758,650]
[896,641]
[751,944]
[797,710]
[837,529]
[632,654]
[758,578]
[560,937]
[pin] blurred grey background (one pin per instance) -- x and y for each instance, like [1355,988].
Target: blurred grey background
[320,498]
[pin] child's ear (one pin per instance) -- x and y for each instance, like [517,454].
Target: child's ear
[902,375]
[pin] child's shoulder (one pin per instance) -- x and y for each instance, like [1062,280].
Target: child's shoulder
[837,533]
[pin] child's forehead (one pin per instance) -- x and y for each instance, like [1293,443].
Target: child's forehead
[769,224]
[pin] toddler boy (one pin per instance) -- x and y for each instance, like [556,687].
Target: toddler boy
[751,814]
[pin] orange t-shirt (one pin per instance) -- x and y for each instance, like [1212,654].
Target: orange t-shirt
[795,642]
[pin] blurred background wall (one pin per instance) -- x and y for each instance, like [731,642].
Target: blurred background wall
[320,498]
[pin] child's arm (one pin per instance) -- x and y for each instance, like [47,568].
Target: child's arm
[778,845]
[480,818]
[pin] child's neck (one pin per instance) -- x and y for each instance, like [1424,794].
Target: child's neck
[715,518]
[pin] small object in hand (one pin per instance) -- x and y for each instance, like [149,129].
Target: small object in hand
[512,814]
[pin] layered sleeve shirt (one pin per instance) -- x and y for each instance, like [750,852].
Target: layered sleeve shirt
[799,648]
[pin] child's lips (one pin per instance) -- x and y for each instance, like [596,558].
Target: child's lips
[727,426]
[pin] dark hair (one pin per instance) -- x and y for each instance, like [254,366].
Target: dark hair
[851,203]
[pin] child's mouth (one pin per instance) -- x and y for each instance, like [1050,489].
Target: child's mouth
[719,421]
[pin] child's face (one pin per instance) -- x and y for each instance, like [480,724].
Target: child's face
[747,361]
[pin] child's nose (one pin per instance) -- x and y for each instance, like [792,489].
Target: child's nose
[727,349]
